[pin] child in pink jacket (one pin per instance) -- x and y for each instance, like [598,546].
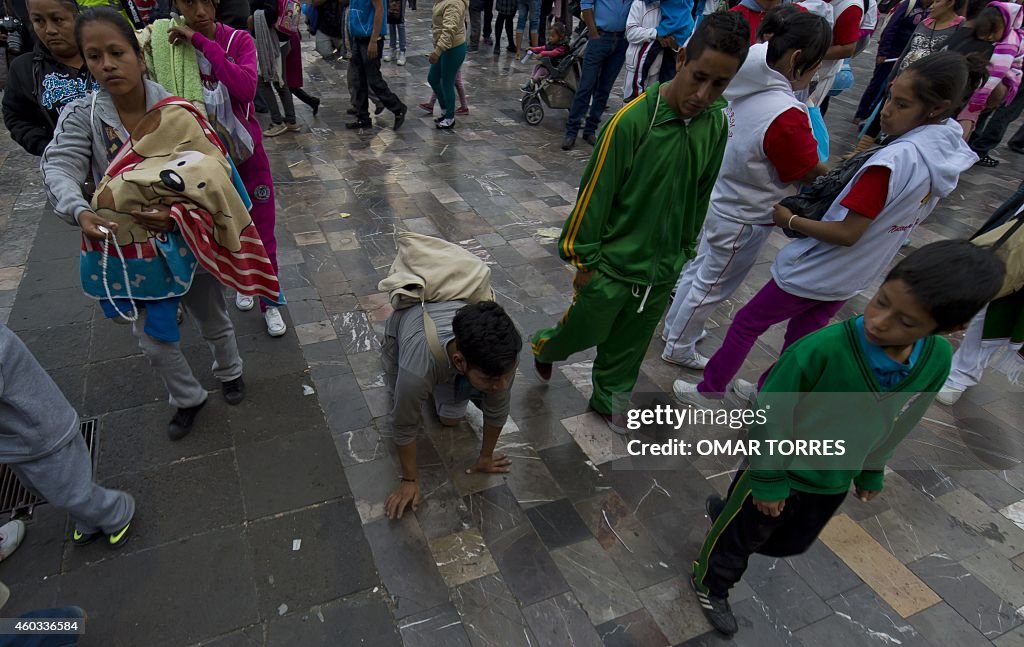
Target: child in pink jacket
[554,51]
[227,59]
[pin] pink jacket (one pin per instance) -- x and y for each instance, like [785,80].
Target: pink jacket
[232,58]
[1005,64]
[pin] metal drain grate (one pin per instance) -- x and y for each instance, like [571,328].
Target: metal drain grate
[16,500]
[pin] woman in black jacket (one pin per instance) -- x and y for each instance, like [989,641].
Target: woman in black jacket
[41,82]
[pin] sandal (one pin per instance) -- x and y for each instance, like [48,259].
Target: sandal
[987,161]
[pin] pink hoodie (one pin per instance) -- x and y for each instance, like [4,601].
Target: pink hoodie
[232,58]
[1005,64]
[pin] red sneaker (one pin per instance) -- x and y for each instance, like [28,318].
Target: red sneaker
[429,107]
[462,110]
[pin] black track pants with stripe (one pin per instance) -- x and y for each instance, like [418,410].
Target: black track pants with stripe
[742,530]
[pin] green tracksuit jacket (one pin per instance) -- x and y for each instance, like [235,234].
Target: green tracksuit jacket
[645,192]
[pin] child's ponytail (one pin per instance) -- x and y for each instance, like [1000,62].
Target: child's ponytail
[946,79]
[803,31]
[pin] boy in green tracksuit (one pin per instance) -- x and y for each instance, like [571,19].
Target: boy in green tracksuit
[857,388]
[639,211]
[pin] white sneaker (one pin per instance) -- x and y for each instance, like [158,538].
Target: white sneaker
[744,389]
[948,396]
[274,130]
[687,393]
[401,58]
[275,322]
[695,362]
[11,534]
[243,302]
[388,56]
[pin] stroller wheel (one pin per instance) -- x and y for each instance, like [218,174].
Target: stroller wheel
[533,111]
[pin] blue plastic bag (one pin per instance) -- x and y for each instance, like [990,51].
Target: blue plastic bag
[820,131]
[843,80]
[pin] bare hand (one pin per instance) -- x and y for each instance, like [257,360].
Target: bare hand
[90,224]
[669,42]
[433,58]
[405,494]
[371,50]
[866,495]
[494,464]
[781,215]
[879,60]
[155,218]
[180,34]
[770,508]
[593,33]
[581,279]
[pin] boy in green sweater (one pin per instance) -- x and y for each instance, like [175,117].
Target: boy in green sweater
[639,211]
[857,387]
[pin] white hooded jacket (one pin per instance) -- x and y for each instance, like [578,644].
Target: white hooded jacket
[748,184]
[925,165]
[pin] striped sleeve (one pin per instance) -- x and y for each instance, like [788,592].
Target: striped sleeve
[580,242]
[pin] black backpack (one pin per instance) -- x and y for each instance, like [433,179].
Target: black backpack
[816,200]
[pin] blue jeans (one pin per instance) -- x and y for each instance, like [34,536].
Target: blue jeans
[601,64]
[400,37]
[533,8]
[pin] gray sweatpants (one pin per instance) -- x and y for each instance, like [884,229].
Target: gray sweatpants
[65,479]
[205,303]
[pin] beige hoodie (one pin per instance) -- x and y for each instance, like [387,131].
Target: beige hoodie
[448,24]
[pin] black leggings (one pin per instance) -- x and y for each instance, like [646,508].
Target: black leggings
[506,20]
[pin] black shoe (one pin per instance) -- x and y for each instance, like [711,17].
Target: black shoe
[716,610]
[379,109]
[359,125]
[181,423]
[987,161]
[350,111]
[543,370]
[119,538]
[497,50]
[568,143]
[590,138]
[315,105]
[233,390]
[511,49]
[84,539]
[400,117]
[714,505]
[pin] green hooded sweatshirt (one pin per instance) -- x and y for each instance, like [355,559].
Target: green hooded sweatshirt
[645,191]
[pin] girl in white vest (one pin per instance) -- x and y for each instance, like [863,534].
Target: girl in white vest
[770,150]
[860,234]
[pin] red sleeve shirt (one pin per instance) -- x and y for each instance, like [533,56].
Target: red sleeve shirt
[790,145]
[868,194]
[847,29]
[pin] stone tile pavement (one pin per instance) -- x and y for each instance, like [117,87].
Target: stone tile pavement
[265,526]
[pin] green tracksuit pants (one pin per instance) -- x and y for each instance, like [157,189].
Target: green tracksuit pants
[604,314]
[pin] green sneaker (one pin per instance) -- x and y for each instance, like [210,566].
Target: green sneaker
[83,538]
[119,538]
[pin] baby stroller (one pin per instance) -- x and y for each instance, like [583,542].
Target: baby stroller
[559,87]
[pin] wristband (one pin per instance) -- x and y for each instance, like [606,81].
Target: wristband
[405,480]
[789,225]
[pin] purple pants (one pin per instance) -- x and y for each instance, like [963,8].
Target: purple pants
[259,183]
[768,307]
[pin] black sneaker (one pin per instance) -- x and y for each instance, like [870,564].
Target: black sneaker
[379,109]
[351,111]
[400,117]
[568,143]
[714,505]
[119,538]
[590,138]
[716,610]
[181,423]
[233,390]
[84,538]
[359,125]
[543,370]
